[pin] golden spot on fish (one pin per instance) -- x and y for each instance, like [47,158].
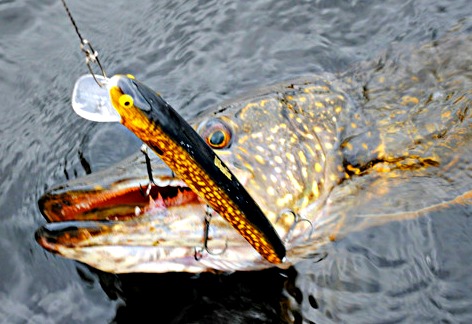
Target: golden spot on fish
[319,104]
[260,148]
[282,141]
[242,139]
[353,169]
[263,102]
[273,178]
[409,100]
[278,159]
[380,149]
[248,166]
[317,147]
[329,146]
[381,79]
[277,170]
[309,149]
[257,135]
[364,145]
[315,190]
[333,177]
[348,146]
[294,181]
[290,157]
[259,159]
[318,167]
[299,120]
[338,109]
[446,114]
[270,191]
[340,168]
[302,99]
[304,172]
[281,202]
[317,129]
[353,125]
[302,157]
[264,177]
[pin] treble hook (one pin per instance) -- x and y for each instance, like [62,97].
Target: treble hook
[297,219]
[199,250]
[149,172]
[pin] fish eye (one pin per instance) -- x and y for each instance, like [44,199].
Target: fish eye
[125,101]
[217,134]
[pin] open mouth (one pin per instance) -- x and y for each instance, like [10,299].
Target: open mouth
[107,221]
[88,208]
[120,201]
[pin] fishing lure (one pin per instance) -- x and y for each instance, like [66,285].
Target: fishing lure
[160,127]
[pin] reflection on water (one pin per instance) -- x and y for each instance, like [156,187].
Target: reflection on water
[197,54]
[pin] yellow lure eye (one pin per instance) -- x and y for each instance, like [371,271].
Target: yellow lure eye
[125,101]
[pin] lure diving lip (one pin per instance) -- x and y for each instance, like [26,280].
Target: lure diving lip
[158,125]
[91,101]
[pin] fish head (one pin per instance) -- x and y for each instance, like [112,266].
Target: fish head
[278,142]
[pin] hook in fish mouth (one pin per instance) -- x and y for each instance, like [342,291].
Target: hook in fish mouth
[106,222]
[69,208]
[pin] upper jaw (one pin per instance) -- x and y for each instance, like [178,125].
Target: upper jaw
[110,194]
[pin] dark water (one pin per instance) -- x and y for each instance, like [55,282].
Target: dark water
[196,54]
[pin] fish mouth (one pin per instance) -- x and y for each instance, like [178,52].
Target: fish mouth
[91,206]
[79,213]
[108,221]
[119,201]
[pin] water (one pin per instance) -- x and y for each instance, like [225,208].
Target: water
[196,54]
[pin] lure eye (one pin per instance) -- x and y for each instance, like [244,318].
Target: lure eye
[125,101]
[217,134]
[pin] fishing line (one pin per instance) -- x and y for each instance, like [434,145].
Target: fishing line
[91,55]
